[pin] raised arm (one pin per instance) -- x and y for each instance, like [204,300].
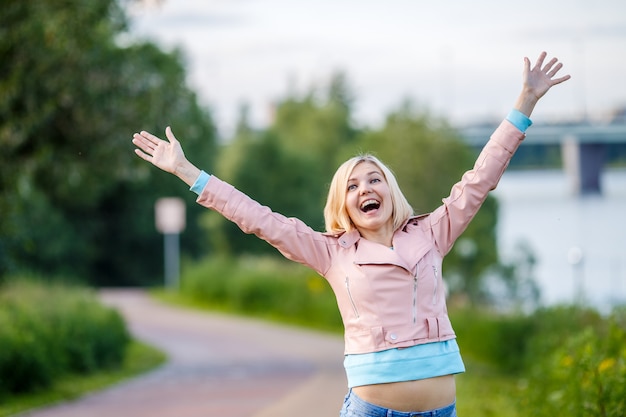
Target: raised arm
[537,81]
[466,197]
[167,155]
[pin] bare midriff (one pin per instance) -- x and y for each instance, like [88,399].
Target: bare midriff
[421,395]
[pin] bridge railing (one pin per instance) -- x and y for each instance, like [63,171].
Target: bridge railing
[583,147]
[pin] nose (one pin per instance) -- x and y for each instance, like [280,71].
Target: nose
[365,189]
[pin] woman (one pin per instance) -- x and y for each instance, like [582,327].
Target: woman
[383,263]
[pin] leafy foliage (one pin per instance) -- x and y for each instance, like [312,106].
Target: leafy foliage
[568,359]
[75,200]
[73,197]
[584,375]
[50,330]
[264,286]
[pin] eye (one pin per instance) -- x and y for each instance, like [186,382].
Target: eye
[375,180]
[351,187]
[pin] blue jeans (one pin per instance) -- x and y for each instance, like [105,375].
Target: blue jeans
[354,406]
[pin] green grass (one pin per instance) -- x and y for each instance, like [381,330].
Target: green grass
[139,358]
[485,391]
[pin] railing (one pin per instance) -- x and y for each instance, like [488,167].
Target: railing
[583,147]
[553,134]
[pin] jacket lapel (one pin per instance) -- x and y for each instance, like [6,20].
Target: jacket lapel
[411,244]
[407,250]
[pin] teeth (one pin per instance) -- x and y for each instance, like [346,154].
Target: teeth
[369,202]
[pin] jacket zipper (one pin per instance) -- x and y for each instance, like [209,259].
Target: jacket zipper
[415,294]
[436,283]
[356,312]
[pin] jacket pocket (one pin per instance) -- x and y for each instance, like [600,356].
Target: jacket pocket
[430,329]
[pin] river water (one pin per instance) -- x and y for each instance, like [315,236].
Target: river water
[579,241]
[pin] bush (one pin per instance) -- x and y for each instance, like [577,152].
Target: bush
[264,286]
[513,343]
[26,362]
[552,326]
[48,330]
[569,360]
[584,376]
[492,338]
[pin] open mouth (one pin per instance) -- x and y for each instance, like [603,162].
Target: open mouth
[369,205]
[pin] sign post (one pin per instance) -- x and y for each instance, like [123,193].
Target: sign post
[170,220]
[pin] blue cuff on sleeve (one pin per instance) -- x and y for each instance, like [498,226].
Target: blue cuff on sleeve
[519,120]
[200,182]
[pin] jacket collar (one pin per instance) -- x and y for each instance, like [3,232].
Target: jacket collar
[349,238]
[408,248]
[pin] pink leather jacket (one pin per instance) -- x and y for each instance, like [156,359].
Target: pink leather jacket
[388,298]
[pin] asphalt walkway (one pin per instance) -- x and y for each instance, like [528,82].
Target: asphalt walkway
[218,365]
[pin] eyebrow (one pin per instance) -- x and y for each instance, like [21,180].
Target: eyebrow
[368,174]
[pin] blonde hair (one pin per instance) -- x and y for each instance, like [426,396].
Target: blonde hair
[335,213]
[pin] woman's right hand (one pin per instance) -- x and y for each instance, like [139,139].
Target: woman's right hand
[167,155]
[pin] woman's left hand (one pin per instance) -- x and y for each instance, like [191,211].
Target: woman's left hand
[537,81]
[540,78]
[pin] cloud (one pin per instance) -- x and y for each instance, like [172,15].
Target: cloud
[187,19]
[575,31]
[462,58]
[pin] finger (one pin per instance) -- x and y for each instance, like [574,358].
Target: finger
[549,65]
[150,137]
[555,70]
[560,80]
[170,135]
[143,155]
[539,62]
[143,143]
[526,64]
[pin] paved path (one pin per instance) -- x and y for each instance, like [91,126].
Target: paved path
[218,365]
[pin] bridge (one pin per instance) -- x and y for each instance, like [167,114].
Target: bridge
[583,147]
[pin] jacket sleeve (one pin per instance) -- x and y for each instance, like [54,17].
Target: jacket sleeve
[292,237]
[450,219]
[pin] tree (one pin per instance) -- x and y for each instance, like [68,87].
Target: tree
[318,123]
[289,165]
[72,97]
[516,288]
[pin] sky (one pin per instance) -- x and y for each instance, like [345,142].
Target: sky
[461,60]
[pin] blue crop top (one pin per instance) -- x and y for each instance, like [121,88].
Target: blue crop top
[407,364]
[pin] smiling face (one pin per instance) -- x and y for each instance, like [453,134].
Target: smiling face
[368,201]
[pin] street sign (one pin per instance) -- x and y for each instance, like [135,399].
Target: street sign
[170,215]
